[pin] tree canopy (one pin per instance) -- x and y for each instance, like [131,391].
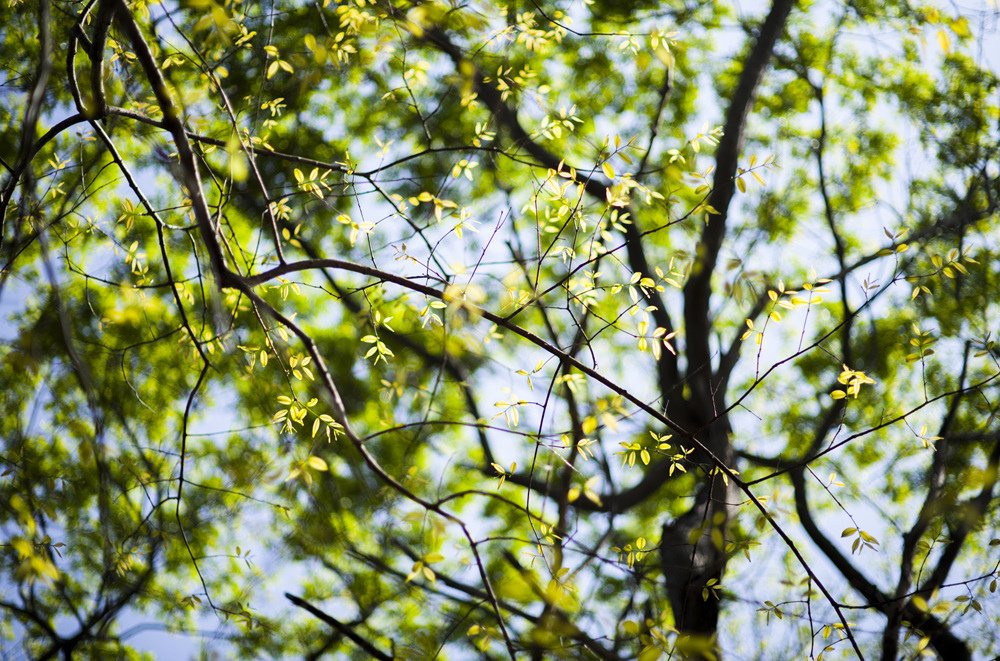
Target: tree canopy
[529,329]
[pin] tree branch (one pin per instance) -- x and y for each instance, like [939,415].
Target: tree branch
[342,628]
[698,290]
[943,640]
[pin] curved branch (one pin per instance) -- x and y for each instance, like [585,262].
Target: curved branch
[943,640]
[698,289]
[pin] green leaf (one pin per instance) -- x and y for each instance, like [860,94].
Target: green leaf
[317,463]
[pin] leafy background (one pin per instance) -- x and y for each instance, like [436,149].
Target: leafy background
[495,330]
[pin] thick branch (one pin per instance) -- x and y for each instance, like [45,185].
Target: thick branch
[943,640]
[971,513]
[174,124]
[698,289]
